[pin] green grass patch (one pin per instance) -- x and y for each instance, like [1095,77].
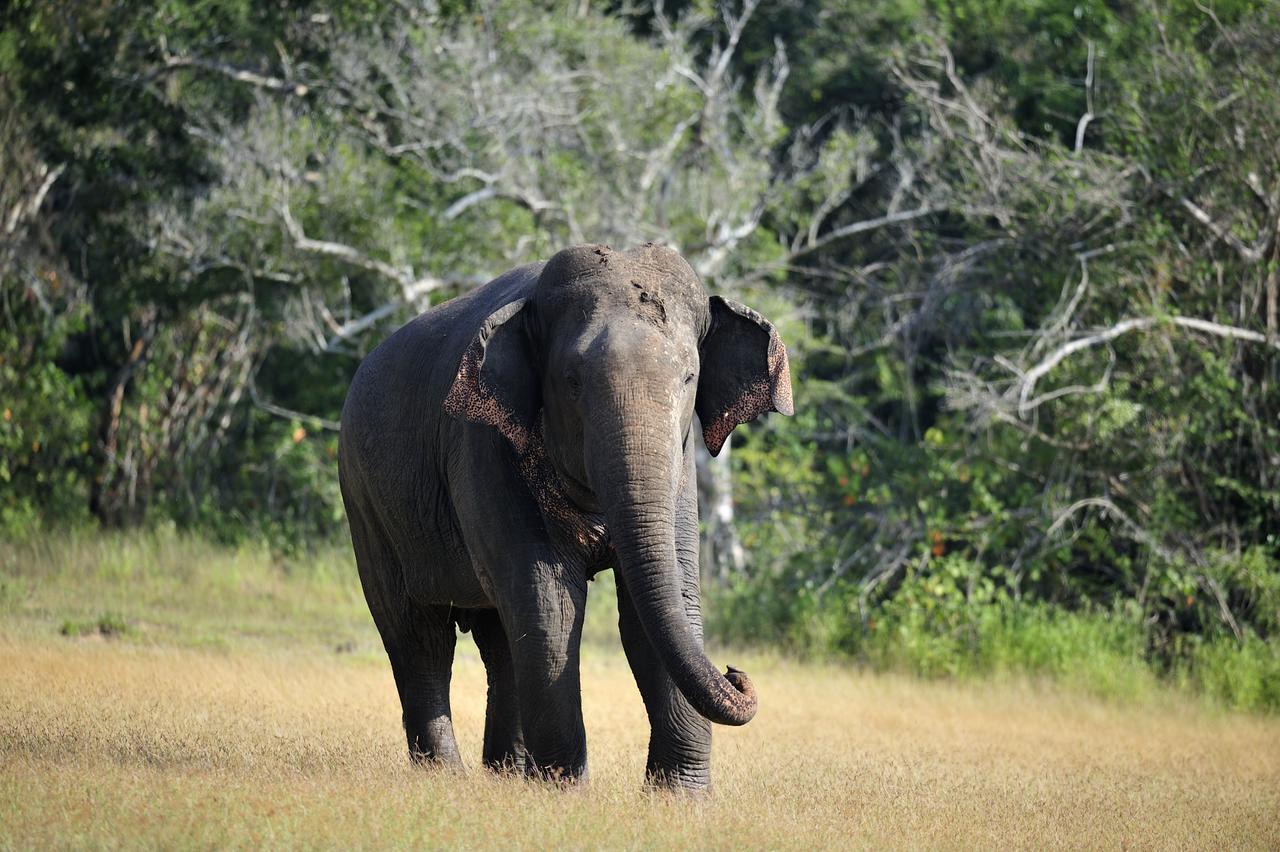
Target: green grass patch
[1244,674]
[164,586]
[161,586]
[107,625]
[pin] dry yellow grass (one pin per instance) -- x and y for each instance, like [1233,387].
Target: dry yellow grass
[120,744]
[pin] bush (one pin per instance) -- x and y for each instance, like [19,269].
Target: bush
[955,623]
[1243,674]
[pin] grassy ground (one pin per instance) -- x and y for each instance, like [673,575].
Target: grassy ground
[156,692]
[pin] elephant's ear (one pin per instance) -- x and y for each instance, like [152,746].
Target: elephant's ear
[497,383]
[744,372]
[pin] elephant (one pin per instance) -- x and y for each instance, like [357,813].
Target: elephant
[502,448]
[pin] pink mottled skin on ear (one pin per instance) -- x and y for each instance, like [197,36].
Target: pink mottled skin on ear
[768,393]
[469,399]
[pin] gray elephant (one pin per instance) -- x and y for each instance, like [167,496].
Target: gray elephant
[500,450]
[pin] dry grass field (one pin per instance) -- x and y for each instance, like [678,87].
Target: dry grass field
[154,739]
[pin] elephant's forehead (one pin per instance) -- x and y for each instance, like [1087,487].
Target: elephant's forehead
[650,280]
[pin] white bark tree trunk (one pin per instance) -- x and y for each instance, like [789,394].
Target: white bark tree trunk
[722,553]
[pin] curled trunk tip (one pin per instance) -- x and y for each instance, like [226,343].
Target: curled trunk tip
[746,708]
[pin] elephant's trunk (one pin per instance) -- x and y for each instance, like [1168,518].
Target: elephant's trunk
[634,463]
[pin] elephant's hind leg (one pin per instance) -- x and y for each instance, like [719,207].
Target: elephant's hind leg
[503,737]
[422,661]
[419,640]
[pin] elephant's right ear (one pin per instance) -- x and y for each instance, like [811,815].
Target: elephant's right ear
[497,383]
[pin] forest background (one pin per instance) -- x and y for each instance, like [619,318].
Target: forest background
[1025,254]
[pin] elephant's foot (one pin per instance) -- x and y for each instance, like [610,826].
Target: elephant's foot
[559,776]
[561,772]
[431,740]
[678,780]
[434,760]
[512,762]
[680,753]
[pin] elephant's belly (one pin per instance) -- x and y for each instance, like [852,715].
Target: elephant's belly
[441,573]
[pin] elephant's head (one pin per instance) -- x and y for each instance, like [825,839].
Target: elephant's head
[605,365]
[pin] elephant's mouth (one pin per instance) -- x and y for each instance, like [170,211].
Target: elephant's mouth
[579,493]
[575,488]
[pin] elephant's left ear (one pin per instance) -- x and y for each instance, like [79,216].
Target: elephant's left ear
[496,383]
[744,372]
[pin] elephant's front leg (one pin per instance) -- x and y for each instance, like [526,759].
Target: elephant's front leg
[544,625]
[679,737]
[538,594]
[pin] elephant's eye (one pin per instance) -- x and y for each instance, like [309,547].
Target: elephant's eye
[688,380]
[573,383]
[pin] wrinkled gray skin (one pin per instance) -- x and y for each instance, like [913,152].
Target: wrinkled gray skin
[501,449]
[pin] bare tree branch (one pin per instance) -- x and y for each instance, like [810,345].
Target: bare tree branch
[345,252]
[865,226]
[240,75]
[1083,124]
[290,414]
[1250,253]
[27,208]
[412,287]
[1028,380]
[1116,512]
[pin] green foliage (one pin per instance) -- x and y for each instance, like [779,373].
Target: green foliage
[45,425]
[1242,674]
[1118,527]
[954,623]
